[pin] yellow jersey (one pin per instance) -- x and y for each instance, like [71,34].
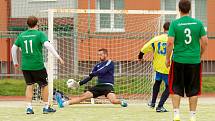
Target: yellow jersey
[157,45]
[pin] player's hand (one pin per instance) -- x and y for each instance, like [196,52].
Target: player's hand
[167,63]
[75,85]
[91,75]
[140,61]
[16,66]
[61,60]
[71,83]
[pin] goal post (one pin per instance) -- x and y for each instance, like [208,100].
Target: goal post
[122,32]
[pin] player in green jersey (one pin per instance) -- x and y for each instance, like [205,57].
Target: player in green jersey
[185,35]
[31,43]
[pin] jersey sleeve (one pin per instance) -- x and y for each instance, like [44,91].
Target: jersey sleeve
[17,42]
[202,31]
[149,46]
[171,32]
[43,37]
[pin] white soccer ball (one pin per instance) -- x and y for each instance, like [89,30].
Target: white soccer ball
[70,83]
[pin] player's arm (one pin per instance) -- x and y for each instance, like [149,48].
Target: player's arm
[170,43]
[49,46]
[104,69]
[14,55]
[148,47]
[203,40]
[204,43]
[84,81]
[169,48]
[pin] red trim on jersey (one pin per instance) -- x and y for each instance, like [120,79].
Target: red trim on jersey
[200,77]
[171,77]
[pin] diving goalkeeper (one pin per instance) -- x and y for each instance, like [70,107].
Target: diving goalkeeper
[105,73]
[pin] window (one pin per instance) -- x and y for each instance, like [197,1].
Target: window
[108,22]
[199,8]
[42,0]
[169,5]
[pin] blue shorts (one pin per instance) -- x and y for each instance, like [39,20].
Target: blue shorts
[160,77]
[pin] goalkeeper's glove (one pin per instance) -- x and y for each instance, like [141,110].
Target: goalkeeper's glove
[75,85]
[71,83]
[140,56]
[91,74]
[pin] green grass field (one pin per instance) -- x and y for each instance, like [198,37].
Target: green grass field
[11,87]
[15,111]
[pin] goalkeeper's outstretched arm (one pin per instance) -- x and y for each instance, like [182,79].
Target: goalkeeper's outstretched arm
[84,81]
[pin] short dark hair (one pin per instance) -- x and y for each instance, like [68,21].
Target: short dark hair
[166,25]
[32,21]
[105,51]
[184,6]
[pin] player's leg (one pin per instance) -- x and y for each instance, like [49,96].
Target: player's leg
[41,78]
[164,95]
[93,92]
[108,91]
[29,91]
[113,99]
[176,86]
[75,100]
[156,89]
[193,104]
[193,87]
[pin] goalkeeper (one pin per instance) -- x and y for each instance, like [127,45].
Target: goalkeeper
[157,45]
[105,73]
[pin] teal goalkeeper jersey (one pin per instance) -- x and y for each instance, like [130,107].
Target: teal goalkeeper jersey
[31,44]
[187,33]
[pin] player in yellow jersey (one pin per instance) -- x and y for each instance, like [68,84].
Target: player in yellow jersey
[157,45]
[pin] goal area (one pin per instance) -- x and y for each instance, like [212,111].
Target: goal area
[77,35]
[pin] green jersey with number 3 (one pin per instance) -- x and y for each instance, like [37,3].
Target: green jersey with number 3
[31,44]
[187,33]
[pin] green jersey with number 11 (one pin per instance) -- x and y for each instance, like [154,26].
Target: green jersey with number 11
[31,44]
[187,33]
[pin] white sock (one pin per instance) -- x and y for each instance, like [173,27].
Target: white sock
[192,113]
[29,105]
[46,105]
[176,112]
[66,103]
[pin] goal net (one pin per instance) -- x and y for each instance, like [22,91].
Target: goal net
[77,34]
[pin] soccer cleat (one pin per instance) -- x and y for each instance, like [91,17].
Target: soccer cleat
[193,119]
[161,109]
[176,118]
[124,103]
[151,105]
[49,110]
[59,101]
[29,111]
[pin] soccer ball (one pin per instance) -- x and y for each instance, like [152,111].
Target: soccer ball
[70,83]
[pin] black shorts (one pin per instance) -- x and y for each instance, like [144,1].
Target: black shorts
[38,76]
[100,90]
[185,78]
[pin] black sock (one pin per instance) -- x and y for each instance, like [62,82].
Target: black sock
[164,97]
[156,89]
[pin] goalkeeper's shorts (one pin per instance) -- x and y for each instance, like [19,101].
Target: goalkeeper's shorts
[102,89]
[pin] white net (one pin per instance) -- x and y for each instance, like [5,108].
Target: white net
[78,34]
